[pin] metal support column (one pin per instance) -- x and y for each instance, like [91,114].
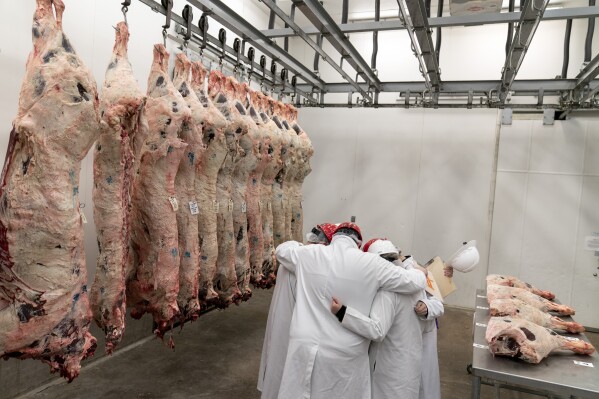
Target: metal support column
[422,41]
[530,17]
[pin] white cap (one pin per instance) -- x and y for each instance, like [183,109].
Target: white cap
[381,247]
[466,258]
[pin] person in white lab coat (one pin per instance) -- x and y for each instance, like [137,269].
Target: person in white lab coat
[403,356]
[276,336]
[325,360]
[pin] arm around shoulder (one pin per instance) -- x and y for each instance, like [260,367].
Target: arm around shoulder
[397,279]
[286,254]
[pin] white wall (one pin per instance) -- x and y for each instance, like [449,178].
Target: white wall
[421,178]
[545,204]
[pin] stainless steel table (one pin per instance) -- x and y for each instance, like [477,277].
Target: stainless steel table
[560,375]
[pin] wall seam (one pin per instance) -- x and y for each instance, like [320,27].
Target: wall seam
[580,194]
[492,190]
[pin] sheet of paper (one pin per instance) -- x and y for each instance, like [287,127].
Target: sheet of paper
[445,284]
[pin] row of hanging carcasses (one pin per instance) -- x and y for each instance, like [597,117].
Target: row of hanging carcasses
[193,189]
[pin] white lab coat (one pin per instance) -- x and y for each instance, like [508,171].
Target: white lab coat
[276,337]
[325,360]
[401,341]
[430,385]
[396,351]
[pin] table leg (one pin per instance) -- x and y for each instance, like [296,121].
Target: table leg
[475,387]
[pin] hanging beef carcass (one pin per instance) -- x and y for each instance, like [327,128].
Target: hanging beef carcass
[255,187]
[189,170]
[153,282]
[305,153]
[44,306]
[511,281]
[121,109]
[211,161]
[253,191]
[279,199]
[225,280]
[264,274]
[248,159]
[518,309]
[292,168]
[504,292]
[528,341]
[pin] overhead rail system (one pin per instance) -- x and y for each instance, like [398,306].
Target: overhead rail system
[362,84]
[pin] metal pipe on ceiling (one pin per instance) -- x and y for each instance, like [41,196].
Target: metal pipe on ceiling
[588,44]
[344,11]
[566,49]
[510,29]
[292,16]
[375,35]
[438,41]
[271,19]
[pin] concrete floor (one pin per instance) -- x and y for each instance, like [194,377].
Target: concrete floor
[218,357]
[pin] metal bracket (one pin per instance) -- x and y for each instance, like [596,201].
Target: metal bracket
[168,6]
[237,48]
[125,9]
[506,116]
[187,15]
[548,116]
[203,25]
[251,54]
[222,38]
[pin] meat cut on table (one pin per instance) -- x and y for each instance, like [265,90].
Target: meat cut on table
[44,305]
[516,308]
[510,281]
[123,125]
[528,341]
[189,170]
[153,282]
[504,292]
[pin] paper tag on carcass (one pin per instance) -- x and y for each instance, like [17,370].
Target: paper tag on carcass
[83,218]
[480,325]
[230,205]
[269,205]
[244,207]
[216,205]
[480,346]
[174,203]
[586,364]
[260,205]
[482,307]
[481,296]
[193,207]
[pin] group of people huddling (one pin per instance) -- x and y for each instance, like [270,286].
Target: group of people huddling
[349,321]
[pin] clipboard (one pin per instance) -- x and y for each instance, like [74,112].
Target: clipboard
[441,286]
